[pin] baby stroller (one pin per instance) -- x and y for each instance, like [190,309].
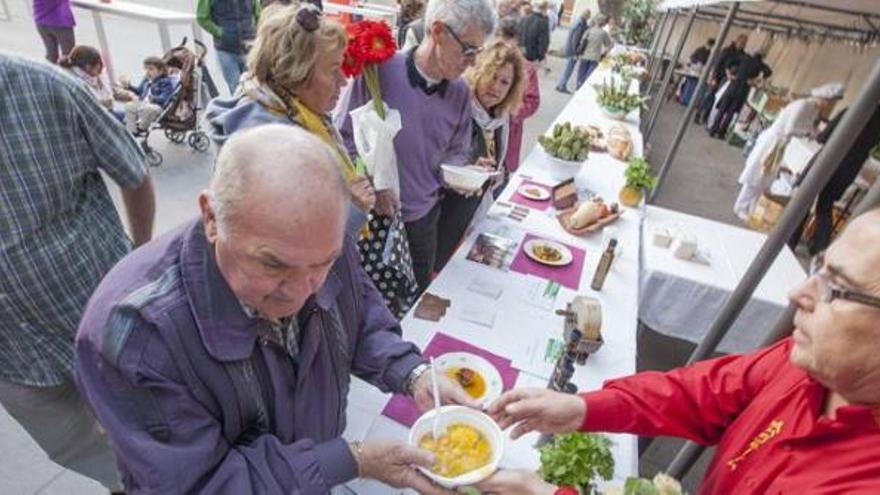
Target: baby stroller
[180,117]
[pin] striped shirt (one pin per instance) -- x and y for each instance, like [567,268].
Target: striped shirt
[59,230]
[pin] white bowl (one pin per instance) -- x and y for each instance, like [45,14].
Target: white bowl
[464,177]
[558,168]
[471,417]
[614,114]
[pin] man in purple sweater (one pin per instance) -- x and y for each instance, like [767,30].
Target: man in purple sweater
[425,86]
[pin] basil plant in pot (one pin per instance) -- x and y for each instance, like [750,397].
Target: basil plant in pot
[639,179]
[577,459]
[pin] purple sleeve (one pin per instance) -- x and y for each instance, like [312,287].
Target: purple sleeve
[382,357]
[358,97]
[168,442]
[459,150]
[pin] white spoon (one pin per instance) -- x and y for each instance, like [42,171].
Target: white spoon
[436,430]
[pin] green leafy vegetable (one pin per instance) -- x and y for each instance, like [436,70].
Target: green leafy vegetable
[638,174]
[615,96]
[576,459]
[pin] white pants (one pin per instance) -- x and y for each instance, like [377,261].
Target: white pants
[140,114]
[749,196]
[62,424]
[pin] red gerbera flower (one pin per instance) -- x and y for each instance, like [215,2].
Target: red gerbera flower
[352,65]
[371,41]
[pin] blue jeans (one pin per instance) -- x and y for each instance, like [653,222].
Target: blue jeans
[585,68]
[232,65]
[566,73]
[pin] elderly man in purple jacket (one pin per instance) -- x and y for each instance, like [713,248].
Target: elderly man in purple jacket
[218,357]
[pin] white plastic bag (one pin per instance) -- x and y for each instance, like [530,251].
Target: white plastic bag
[374,140]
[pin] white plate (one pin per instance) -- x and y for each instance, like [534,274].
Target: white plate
[533,192]
[529,247]
[494,385]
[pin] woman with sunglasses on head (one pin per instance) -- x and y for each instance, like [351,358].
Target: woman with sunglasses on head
[294,77]
[497,82]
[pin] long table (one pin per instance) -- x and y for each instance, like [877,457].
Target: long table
[519,328]
[682,298]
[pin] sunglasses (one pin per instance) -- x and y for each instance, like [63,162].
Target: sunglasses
[466,49]
[829,291]
[309,18]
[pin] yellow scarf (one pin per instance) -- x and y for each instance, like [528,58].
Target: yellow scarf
[315,124]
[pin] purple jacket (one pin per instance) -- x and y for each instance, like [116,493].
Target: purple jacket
[191,421]
[53,13]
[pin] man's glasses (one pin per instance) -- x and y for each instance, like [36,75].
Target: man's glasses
[829,291]
[466,49]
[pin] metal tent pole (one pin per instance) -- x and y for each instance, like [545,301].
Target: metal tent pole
[657,64]
[695,99]
[826,164]
[655,44]
[658,32]
[658,99]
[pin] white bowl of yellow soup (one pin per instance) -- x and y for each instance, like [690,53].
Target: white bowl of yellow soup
[468,452]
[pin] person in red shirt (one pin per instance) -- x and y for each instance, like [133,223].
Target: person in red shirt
[802,415]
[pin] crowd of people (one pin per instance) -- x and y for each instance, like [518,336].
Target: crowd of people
[217,357]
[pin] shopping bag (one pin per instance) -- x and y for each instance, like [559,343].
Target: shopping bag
[374,141]
[385,256]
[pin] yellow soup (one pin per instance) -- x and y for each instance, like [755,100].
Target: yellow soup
[471,381]
[460,450]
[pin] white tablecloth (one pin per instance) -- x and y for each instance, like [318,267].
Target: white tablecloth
[518,324]
[682,298]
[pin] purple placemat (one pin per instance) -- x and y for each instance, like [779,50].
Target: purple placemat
[403,410]
[568,275]
[519,199]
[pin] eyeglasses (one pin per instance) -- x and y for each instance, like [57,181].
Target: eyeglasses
[466,49]
[829,291]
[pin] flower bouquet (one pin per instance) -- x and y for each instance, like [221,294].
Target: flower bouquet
[374,125]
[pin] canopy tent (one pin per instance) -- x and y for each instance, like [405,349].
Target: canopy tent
[807,42]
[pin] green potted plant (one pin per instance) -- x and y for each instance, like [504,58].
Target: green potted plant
[615,99]
[577,459]
[639,179]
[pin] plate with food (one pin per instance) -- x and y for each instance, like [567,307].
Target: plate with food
[533,192]
[548,252]
[477,376]
[588,216]
[469,447]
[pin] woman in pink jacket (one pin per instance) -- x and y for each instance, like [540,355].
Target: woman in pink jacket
[509,32]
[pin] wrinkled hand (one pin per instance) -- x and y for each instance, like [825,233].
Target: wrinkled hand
[387,202]
[362,193]
[392,463]
[515,482]
[450,392]
[538,409]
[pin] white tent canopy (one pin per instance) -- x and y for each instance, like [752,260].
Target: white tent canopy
[801,59]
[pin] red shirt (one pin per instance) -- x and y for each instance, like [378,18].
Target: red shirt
[765,416]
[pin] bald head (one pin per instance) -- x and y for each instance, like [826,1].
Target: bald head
[275,170]
[275,217]
[860,248]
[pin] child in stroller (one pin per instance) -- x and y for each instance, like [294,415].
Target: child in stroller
[146,101]
[179,116]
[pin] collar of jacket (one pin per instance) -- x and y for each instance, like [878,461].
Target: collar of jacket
[226,331]
[417,81]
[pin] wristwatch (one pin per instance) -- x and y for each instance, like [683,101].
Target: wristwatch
[413,377]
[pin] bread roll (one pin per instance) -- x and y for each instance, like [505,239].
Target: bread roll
[619,142]
[587,213]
